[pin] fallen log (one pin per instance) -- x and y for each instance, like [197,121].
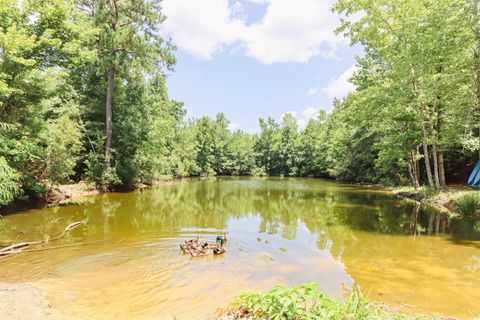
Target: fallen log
[18,247]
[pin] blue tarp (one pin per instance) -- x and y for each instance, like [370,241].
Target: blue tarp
[474,180]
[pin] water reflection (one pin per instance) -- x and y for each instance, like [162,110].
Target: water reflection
[283,231]
[281,204]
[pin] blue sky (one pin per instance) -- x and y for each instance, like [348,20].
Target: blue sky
[257,58]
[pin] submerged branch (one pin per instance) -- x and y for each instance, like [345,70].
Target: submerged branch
[19,247]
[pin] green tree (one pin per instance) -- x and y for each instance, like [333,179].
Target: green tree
[313,147]
[40,42]
[205,131]
[128,43]
[289,145]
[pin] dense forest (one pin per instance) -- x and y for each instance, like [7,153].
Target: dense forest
[83,96]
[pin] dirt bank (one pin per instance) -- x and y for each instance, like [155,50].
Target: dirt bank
[444,200]
[20,301]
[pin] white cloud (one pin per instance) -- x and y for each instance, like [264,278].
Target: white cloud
[293,31]
[312,92]
[201,27]
[238,9]
[341,86]
[232,126]
[304,116]
[258,1]
[289,31]
[310,113]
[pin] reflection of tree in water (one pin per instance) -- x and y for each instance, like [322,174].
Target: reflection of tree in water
[327,209]
[465,229]
[280,203]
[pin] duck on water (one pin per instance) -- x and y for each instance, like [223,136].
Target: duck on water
[195,247]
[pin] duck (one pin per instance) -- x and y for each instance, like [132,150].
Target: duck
[198,251]
[193,241]
[222,239]
[218,250]
[184,247]
[196,248]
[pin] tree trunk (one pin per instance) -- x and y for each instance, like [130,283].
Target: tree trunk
[108,120]
[425,147]
[435,165]
[424,134]
[410,173]
[434,153]
[413,170]
[438,134]
[441,164]
[417,164]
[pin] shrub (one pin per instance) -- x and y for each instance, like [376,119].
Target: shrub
[306,302]
[468,204]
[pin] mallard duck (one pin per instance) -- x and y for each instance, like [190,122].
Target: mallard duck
[222,239]
[184,247]
[193,241]
[195,252]
[217,251]
[196,248]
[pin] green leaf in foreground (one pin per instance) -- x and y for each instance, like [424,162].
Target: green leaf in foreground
[307,302]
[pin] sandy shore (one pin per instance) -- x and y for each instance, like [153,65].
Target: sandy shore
[21,301]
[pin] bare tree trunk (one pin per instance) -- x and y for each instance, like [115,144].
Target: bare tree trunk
[413,170]
[417,164]
[425,147]
[434,153]
[441,163]
[108,120]
[437,134]
[435,165]
[410,173]
[424,133]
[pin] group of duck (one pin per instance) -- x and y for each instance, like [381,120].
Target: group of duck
[195,247]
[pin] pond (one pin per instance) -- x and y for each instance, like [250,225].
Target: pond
[126,261]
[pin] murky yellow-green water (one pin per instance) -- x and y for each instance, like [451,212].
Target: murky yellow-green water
[281,231]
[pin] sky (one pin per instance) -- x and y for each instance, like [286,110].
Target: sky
[257,58]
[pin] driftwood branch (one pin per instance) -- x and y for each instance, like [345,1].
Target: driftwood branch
[19,247]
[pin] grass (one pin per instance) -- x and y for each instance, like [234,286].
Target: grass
[306,302]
